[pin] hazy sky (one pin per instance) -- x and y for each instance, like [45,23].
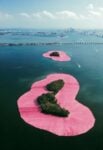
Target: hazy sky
[51,13]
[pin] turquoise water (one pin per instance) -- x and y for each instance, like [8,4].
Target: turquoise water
[20,66]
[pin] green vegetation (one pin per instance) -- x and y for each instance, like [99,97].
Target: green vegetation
[48,104]
[54,54]
[47,98]
[55,86]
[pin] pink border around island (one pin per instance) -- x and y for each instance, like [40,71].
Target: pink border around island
[63,56]
[80,119]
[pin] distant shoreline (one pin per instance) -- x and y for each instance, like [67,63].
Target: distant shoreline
[53,43]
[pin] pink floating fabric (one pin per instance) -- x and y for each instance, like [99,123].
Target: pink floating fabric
[63,56]
[80,119]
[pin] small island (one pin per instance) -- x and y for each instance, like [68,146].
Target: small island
[60,112]
[57,55]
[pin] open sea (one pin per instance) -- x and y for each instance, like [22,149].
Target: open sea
[22,63]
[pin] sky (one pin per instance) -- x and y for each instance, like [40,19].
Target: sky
[87,14]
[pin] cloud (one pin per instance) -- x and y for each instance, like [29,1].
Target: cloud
[48,14]
[37,15]
[83,17]
[43,14]
[26,15]
[101,9]
[66,14]
[90,7]
[95,13]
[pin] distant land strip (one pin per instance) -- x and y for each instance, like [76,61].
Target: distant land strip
[53,43]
